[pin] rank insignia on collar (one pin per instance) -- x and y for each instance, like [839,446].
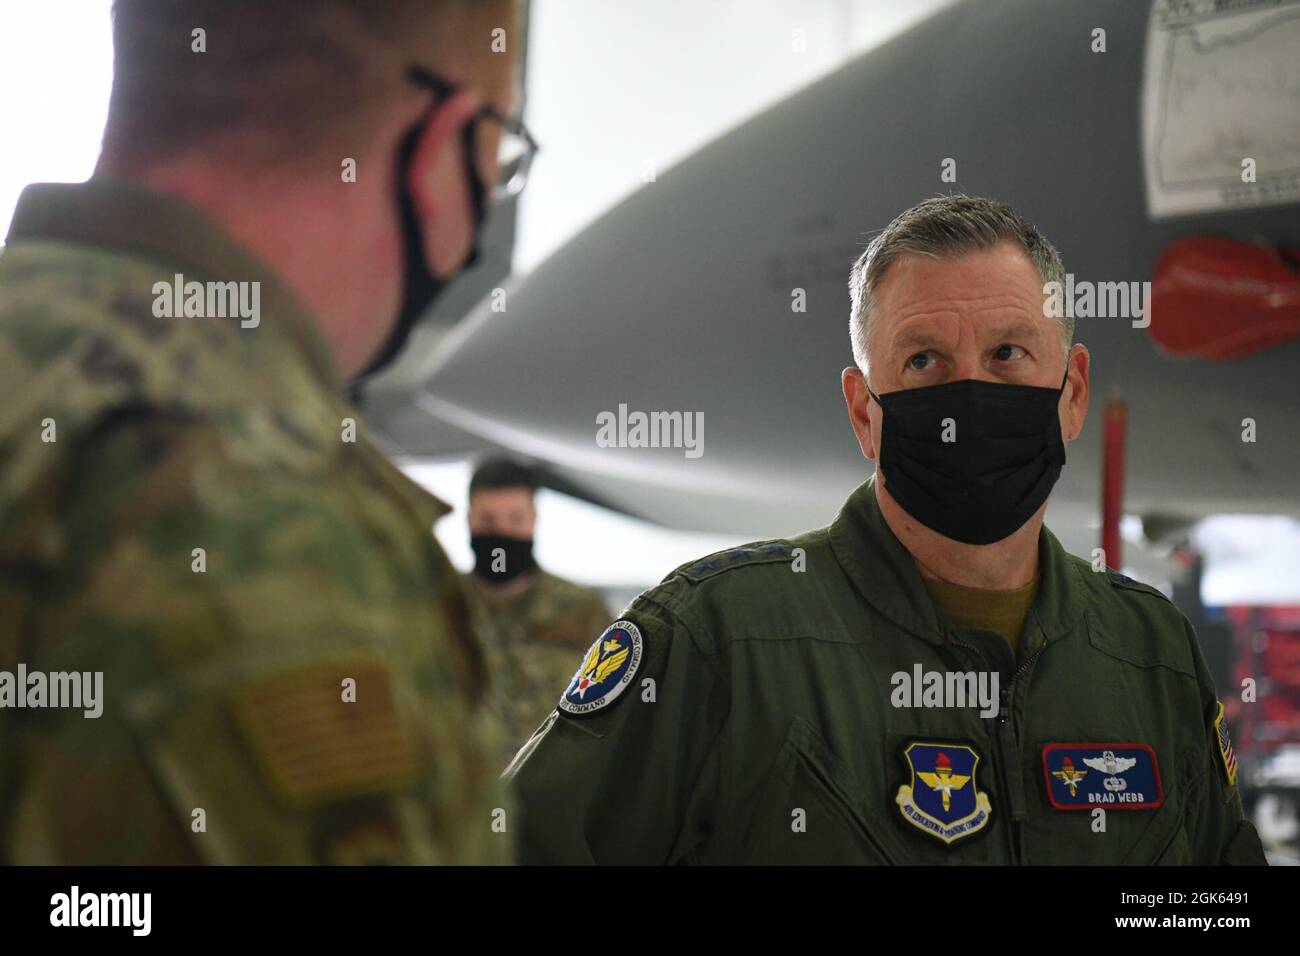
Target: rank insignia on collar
[606,671]
[942,798]
[1113,776]
[1225,745]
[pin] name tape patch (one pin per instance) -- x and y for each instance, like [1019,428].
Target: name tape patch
[1113,776]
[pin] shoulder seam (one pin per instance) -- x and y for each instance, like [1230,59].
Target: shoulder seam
[1126,583]
[776,550]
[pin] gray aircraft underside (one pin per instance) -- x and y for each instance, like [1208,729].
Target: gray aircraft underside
[679,299]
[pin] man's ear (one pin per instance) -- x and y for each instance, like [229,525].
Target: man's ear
[1074,401]
[858,400]
[437,179]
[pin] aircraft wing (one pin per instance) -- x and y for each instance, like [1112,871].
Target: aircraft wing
[680,298]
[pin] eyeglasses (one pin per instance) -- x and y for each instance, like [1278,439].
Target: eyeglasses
[517,149]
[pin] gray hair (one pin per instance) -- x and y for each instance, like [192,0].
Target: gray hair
[941,228]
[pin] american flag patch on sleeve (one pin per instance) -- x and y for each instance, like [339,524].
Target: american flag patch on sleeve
[1225,746]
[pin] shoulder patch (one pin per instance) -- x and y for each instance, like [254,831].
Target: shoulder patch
[1226,756]
[761,552]
[1128,584]
[606,671]
[312,746]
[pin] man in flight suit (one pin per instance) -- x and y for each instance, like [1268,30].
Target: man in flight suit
[930,679]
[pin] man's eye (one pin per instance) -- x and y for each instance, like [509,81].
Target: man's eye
[1008,353]
[920,361]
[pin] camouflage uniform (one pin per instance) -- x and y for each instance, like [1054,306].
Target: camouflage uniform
[534,644]
[224,685]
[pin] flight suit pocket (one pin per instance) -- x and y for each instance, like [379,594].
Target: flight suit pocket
[812,811]
[1164,841]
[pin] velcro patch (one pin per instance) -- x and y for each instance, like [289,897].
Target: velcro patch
[313,746]
[1124,581]
[1112,776]
[764,552]
[606,671]
[1225,746]
[942,798]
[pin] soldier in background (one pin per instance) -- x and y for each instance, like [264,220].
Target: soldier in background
[534,625]
[188,505]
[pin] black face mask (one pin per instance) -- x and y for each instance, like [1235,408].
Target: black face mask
[516,557]
[420,287]
[985,484]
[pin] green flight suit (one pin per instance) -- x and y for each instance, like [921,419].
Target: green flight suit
[189,506]
[758,726]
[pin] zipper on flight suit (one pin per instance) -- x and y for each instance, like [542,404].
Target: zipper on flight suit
[996,742]
[1004,742]
[1009,753]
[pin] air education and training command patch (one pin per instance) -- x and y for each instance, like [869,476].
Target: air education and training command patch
[1113,776]
[1225,746]
[606,671]
[942,799]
